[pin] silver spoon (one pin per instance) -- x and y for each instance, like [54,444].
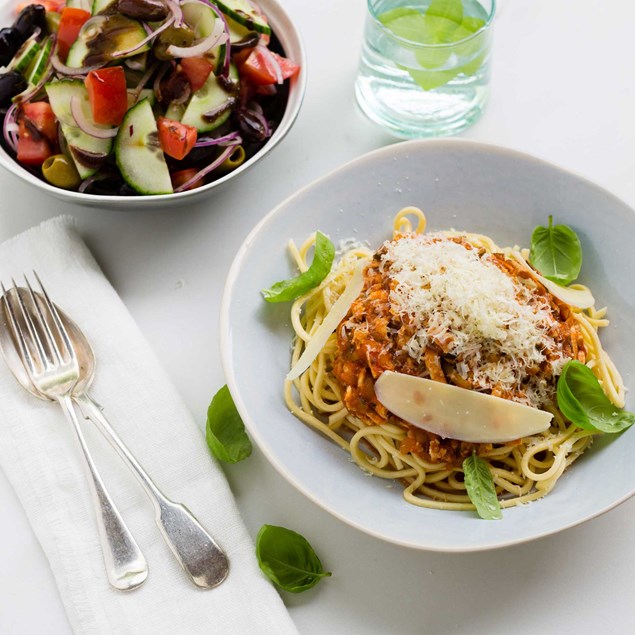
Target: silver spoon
[198,553]
[49,370]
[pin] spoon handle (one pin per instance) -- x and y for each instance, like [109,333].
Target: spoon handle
[126,566]
[199,555]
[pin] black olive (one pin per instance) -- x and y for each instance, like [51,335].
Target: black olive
[176,88]
[11,84]
[249,41]
[146,10]
[30,18]
[250,126]
[10,42]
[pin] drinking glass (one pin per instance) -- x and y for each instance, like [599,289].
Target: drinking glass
[425,65]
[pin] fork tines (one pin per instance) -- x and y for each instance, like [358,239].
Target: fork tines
[36,326]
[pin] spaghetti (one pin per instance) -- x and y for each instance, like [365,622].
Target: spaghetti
[334,395]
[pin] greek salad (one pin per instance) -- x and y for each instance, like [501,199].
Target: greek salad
[139,96]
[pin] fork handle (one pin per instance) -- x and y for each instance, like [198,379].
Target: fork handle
[126,566]
[194,548]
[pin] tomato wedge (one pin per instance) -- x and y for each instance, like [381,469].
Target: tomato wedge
[259,68]
[71,22]
[197,70]
[33,148]
[176,138]
[183,176]
[49,5]
[108,95]
[41,115]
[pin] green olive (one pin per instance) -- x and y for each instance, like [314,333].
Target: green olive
[235,159]
[178,36]
[60,171]
[52,21]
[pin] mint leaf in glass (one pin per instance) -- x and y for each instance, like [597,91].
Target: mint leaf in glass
[443,23]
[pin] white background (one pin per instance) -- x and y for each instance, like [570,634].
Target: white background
[563,89]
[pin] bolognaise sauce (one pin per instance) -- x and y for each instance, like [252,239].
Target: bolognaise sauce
[373,336]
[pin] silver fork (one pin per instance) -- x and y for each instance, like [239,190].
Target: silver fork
[53,368]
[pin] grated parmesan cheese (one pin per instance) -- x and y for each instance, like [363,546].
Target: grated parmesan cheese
[494,324]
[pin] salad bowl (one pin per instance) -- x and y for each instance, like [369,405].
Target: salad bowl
[292,46]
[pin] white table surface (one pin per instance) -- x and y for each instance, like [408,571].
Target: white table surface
[563,89]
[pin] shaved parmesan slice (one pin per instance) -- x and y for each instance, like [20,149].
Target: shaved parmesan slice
[457,413]
[580,298]
[335,316]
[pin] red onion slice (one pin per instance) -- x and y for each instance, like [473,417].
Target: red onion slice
[87,126]
[69,70]
[225,154]
[10,128]
[142,82]
[216,37]
[273,61]
[156,86]
[233,138]
[222,18]
[177,12]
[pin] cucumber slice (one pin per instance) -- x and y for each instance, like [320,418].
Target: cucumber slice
[25,56]
[237,32]
[60,94]
[101,5]
[244,13]
[39,64]
[201,19]
[175,111]
[103,38]
[146,93]
[209,97]
[78,4]
[138,152]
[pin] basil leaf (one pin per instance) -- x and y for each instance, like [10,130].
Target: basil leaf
[582,401]
[225,431]
[287,290]
[287,559]
[479,483]
[556,253]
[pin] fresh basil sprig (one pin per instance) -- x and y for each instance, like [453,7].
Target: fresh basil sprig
[225,431]
[479,483]
[556,253]
[287,290]
[582,401]
[287,559]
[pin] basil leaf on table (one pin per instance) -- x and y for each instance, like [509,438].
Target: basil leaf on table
[225,431]
[479,483]
[582,401]
[287,290]
[288,559]
[556,253]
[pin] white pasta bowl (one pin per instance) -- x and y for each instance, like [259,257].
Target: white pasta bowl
[288,36]
[462,185]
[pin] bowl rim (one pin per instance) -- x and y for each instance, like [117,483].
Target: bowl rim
[287,32]
[227,356]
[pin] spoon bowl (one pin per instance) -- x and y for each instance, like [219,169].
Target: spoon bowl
[83,350]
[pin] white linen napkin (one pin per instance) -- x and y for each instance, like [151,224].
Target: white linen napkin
[41,460]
